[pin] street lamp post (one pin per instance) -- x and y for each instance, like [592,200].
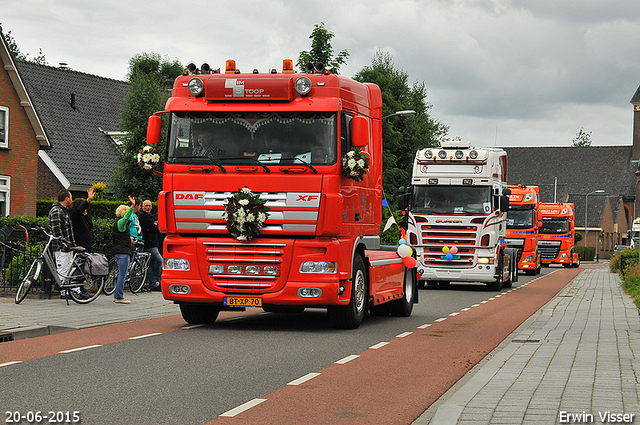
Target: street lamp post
[586,199]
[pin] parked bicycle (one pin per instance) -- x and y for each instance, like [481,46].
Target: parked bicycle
[136,274]
[77,279]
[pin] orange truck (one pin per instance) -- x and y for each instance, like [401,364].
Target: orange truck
[272,196]
[556,237]
[523,219]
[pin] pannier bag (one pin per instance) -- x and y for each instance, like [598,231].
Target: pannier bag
[97,265]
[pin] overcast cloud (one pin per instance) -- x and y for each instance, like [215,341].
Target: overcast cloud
[497,72]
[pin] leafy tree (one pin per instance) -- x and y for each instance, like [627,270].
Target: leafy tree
[147,72]
[17,54]
[582,139]
[321,51]
[401,136]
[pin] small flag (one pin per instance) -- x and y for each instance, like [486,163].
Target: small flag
[384,202]
[390,223]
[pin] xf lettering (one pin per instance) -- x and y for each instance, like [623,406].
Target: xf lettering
[306,198]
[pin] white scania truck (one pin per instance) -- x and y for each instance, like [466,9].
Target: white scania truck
[457,205]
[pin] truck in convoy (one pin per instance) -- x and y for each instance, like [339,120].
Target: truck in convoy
[272,196]
[556,237]
[457,202]
[523,219]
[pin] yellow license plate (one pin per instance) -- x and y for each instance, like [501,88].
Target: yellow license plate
[243,301]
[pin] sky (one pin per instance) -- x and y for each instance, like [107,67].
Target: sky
[497,72]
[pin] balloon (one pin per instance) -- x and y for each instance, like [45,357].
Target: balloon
[402,242]
[445,249]
[454,250]
[449,256]
[409,262]
[404,250]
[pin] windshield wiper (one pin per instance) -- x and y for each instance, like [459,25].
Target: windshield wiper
[252,159]
[211,159]
[303,162]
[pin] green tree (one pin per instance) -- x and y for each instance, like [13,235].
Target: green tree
[17,54]
[401,136]
[321,51]
[582,139]
[147,72]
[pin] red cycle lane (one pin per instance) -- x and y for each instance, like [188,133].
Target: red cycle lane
[395,383]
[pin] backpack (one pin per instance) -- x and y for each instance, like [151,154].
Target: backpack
[96,265]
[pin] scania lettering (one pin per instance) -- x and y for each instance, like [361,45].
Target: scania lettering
[556,237]
[456,220]
[523,220]
[280,136]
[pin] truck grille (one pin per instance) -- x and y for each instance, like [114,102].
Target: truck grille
[239,256]
[518,244]
[435,237]
[549,250]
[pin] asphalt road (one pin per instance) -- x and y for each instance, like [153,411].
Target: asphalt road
[172,373]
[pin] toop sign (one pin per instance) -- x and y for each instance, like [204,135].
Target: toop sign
[239,90]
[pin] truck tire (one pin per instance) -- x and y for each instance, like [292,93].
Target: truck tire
[199,314]
[496,285]
[350,316]
[577,263]
[404,306]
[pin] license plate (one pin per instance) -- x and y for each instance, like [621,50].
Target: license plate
[243,301]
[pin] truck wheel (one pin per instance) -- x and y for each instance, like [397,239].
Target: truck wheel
[350,316]
[496,285]
[199,314]
[404,306]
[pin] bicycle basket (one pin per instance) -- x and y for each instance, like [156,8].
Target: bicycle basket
[96,265]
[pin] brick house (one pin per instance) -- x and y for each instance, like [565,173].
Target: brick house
[60,126]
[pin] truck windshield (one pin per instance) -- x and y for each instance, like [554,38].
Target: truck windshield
[250,137]
[520,217]
[553,225]
[452,199]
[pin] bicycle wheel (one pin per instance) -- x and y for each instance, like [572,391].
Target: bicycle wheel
[29,280]
[137,274]
[90,288]
[111,279]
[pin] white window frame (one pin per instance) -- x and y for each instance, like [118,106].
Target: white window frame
[5,144]
[6,189]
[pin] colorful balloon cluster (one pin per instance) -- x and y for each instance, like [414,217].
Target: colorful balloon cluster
[405,252]
[449,252]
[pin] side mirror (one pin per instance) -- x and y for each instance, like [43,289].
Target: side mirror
[359,131]
[154,129]
[504,202]
[404,198]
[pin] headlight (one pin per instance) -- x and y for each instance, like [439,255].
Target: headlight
[216,269]
[483,260]
[318,267]
[195,86]
[473,154]
[271,270]
[428,154]
[303,86]
[176,264]
[442,154]
[528,259]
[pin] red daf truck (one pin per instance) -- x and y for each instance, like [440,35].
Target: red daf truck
[556,236]
[301,155]
[523,220]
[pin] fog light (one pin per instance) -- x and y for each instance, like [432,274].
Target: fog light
[180,289]
[309,292]
[252,270]
[234,269]
[176,264]
[216,269]
[270,270]
[318,267]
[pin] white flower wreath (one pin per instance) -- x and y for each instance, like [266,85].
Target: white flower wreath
[245,214]
[148,157]
[355,164]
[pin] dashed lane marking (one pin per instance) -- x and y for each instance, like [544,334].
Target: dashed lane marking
[145,336]
[73,350]
[403,334]
[304,379]
[9,363]
[379,345]
[347,359]
[243,407]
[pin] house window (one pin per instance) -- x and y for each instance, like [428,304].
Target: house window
[5,190]
[4,127]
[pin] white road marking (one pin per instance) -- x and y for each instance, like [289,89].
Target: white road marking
[303,379]
[243,407]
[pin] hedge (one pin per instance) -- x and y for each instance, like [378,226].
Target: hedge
[96,209]
[586,254]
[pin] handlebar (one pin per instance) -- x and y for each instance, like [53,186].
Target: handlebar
[52,237]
